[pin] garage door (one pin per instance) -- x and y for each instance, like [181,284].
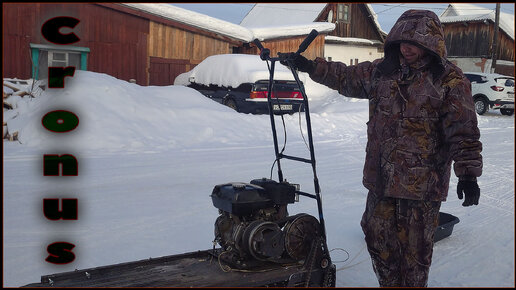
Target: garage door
[163,71]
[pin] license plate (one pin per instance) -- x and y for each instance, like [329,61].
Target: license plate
[283,107]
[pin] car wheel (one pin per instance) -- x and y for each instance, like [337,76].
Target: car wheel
[507,112]
[231,103]
[481,106]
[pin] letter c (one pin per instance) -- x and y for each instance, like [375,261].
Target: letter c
[50,30]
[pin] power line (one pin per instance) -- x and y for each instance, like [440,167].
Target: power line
[389,8]
[288,8]
[411,6]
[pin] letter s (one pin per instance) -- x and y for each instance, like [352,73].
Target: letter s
[60,253]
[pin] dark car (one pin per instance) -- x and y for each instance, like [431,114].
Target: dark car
[241,83]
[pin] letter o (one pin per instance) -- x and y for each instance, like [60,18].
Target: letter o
[60,121]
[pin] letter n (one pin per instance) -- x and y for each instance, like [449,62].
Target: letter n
[52,164]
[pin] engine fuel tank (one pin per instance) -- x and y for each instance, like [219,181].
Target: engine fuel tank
[240,198]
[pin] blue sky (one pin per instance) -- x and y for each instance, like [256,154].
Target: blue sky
[388,13]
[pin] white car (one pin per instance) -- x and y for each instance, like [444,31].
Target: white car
[493,91]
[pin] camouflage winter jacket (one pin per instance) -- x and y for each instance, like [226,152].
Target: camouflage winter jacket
[421,117]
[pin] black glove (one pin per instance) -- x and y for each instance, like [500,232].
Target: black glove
[469,186]
[265,53]
[299,62]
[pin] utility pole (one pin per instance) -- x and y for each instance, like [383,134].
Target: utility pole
[495,40]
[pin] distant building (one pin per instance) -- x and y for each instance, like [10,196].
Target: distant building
[357,36]
[146,43]
[469,34]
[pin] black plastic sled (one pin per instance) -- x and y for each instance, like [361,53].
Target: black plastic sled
[445,227]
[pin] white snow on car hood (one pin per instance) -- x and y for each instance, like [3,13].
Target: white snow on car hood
[231,70]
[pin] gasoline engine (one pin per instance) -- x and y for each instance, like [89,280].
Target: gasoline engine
[254,225]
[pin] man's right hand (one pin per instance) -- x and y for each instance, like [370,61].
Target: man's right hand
[299,62]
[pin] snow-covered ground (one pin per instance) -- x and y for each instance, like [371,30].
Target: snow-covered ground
[149,158]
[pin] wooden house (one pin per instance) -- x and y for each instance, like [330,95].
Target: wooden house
[357,35]
[148,43]
[122,41]
[469,35]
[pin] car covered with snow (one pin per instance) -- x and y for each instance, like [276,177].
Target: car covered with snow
[493,91]
[240,81]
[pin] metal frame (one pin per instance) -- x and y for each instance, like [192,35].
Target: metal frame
[265,55]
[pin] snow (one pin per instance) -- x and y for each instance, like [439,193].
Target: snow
[375,17]
[352,39]
[149,158]
[238,69]
[281,14]
[195,19]
[227,28]
[265,32]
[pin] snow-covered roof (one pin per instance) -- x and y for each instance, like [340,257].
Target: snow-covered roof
[330,38]
[460,12]
[225,28]
[195,19]
[268,14]
[291,30]
[375,17]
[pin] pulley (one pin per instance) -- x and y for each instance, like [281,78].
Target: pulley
[299,234]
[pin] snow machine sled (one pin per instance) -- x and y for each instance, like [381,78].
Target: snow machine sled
[261,245]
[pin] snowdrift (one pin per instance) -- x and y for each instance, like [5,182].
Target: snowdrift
[118,115]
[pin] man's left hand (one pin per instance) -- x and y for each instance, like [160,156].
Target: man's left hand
[300,62]
[470,189]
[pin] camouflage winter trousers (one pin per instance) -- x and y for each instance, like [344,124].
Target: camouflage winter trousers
[400,237]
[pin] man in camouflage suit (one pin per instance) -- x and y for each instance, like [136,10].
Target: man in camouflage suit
[421,117]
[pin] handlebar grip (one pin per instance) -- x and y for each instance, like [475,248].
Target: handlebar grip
[258,43]
[264,52]
[304,45]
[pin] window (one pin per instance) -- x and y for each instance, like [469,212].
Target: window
[505,82]
[343,12]
[474,78]
[57,59]
[45,56]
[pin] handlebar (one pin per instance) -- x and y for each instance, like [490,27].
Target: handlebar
[265,52]
[302,47]
[258,43]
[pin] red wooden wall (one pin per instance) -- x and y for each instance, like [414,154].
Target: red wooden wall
[117,41]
